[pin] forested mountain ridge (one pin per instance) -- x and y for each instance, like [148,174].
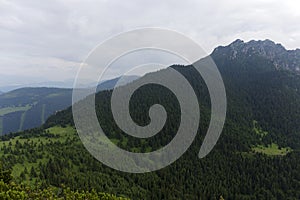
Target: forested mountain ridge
[257,156]
[30,107]
[271,91]
[110,84]
[27,108]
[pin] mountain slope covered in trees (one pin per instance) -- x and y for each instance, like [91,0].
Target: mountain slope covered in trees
[27,108]
[256,157]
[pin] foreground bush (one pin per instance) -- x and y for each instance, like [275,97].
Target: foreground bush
[12,191]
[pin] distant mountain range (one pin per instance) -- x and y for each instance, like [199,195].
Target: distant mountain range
[27,108]
[57,84]
[110,84]
[49,84]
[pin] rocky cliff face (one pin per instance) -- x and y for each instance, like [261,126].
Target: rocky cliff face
[281,58]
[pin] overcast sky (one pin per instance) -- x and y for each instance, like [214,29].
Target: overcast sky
[47,40]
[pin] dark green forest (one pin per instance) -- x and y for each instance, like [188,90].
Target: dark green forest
[256,157]
[27,108]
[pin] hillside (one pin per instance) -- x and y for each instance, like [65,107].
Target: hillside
[257,156]
[110,84]
[27,108]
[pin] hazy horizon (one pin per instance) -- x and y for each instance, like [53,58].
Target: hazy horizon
[47,41]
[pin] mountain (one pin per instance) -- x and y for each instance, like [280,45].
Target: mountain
[280,57]
[27,108]
[269,83]
[66,84]
[110,84]
[46,84]
[1,92]
[256,157]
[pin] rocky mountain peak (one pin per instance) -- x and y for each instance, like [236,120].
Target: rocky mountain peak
[276,53]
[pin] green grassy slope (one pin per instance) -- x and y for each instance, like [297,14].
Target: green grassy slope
[7,110]
[247,162]
[29,107]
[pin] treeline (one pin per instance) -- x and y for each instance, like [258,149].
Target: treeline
[232,170]
[232,174]
[12,191]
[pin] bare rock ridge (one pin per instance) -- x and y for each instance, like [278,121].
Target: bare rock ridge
[282,58]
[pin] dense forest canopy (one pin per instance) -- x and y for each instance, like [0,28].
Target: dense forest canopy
[257,156]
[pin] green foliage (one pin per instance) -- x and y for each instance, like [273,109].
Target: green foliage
[53,154]
[258,130]
[28,107]
[12,191]
[7,110]
[5,174]
[272,150]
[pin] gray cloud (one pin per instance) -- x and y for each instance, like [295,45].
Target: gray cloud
[50,39]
